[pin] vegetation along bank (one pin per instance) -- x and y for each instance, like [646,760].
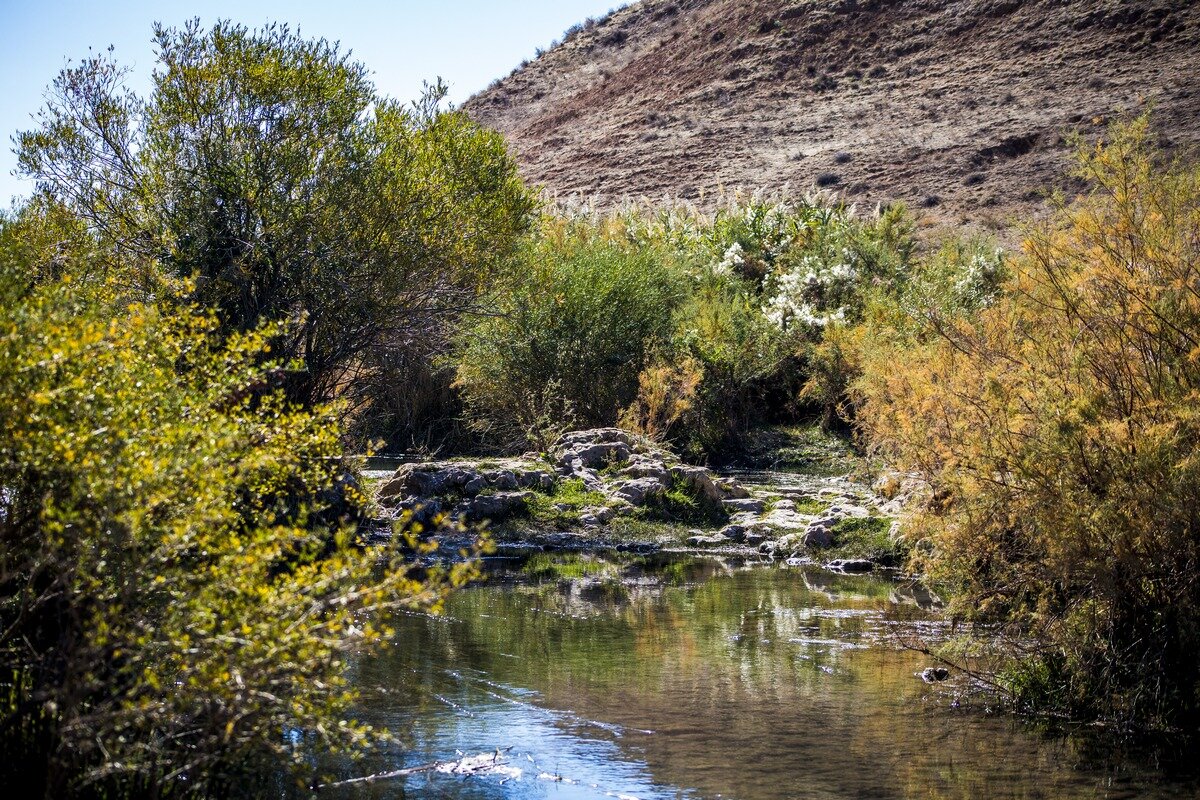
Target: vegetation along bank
[224,288]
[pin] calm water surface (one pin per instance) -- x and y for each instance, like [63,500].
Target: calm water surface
[682,677]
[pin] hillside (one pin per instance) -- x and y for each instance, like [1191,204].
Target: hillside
[960,107]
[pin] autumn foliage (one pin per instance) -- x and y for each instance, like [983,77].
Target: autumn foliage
[1060,430]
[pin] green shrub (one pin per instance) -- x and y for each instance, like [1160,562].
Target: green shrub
[569,334]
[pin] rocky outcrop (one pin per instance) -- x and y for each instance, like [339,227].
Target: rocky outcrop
[617,474]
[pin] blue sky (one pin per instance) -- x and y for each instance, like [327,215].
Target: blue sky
[466,42]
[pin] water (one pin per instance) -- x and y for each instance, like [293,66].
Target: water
[683,677]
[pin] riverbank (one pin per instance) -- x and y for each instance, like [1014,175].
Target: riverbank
[606,488]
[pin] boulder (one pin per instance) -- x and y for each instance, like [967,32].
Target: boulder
[504,479]
[735,533]
[818,534]
[594,448]
[639,490]
[715,540]
[698,481]
[535,479]
[645,466]
[422,480]
[748,504]
[596,515]
[495,507]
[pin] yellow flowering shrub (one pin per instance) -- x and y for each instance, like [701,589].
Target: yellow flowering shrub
[182,583]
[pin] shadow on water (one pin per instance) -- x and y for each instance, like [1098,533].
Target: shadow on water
[677,676]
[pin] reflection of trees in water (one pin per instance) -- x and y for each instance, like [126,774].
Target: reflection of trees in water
[751,680]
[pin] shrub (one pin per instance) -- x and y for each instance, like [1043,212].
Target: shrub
[181,580]
[1060,433]
[569,335]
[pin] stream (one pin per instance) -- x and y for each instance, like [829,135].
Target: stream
[682,676]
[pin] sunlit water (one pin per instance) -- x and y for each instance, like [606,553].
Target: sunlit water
[687,678]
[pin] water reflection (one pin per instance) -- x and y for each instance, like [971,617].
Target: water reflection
[687,677]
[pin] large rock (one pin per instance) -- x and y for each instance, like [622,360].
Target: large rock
[751,505]
[716,540]
[495,507]
[697,481]
[593,448]
[639,490]
[420,480]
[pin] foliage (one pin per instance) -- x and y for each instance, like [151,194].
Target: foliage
[181,580]
[572,328]
[1059,430]
[266,166]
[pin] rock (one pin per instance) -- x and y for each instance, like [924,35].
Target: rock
[733,489]
[495,507]
[735,533]
[645,466]
[424,510]
[934,674]
[697,481]
[593,436]
[474,486]
[577,471]
[748,504]
[851,565]
[753,538]
[817,535]
[715,540]
[596,515]
[785,505]
[594,448]
[422,480]
[638,547]
[503,480]
[535,479]
[639,490]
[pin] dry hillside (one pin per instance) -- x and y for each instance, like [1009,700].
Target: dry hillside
[958,106]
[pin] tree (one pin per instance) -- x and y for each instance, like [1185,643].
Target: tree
[266,167]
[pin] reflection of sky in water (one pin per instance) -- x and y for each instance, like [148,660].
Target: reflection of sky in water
[560,755]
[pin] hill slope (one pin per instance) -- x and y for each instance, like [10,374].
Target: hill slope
[957,106]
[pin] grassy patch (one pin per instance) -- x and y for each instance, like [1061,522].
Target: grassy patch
[810,505]
[570,497]
[679,505]
[867,537]
[800,448]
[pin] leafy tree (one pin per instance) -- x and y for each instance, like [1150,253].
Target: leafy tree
[1059,429]
[266,167]
[181,579]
